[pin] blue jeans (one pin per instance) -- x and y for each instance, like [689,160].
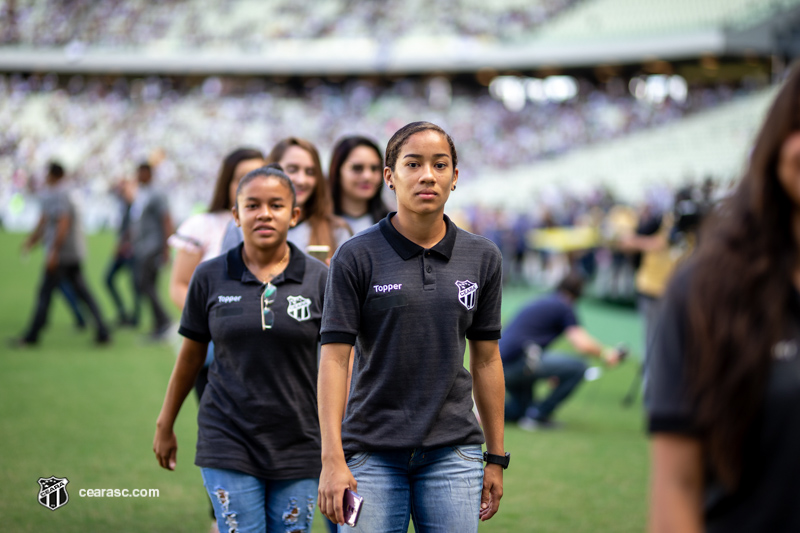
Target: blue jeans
[246,504]
[439,488]
[520,382]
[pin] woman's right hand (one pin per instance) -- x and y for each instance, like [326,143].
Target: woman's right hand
[165,446]
[334,479]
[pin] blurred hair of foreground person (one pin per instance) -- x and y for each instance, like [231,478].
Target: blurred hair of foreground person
[724,392]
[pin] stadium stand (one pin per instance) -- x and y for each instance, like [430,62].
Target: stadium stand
[713,143]
[604,19]
[101,131]
[348,37]
[253,24]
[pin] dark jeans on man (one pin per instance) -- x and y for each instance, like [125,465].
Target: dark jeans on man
[146,274]
[50,282]
[119,262]
[520,382]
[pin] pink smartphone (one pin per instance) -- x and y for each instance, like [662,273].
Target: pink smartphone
[352,507]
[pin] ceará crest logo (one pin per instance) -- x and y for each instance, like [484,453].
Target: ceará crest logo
[53,492]
[466,293]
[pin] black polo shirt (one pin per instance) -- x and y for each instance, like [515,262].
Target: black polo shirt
[767,497]
[408,311]
[258,414]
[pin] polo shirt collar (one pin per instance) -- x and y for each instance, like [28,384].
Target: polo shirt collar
[407,249]
[294,271]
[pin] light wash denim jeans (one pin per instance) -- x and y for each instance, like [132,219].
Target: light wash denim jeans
[438,488]
[246,504]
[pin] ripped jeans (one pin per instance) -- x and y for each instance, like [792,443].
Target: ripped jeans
[247,504]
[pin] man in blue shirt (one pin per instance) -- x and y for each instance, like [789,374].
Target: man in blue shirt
[523,348]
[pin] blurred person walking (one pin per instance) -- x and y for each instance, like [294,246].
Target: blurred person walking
[151,225]
[408,293]
[356,180]
[724,388]
[63,239]
[200,238]
[664,240]
[261,304]
[318,226]
[526,358]
[123,256]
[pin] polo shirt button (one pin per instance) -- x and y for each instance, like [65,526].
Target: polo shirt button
[429,269]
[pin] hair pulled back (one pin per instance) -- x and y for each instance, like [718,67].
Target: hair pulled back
[402,135]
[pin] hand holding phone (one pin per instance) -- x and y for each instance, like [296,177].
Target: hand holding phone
[351,507]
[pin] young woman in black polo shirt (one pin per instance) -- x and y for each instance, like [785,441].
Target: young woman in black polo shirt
[261,303]
[724,385]
[408,293]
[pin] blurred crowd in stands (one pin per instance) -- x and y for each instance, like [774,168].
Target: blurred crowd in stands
[250,26]
[100,126]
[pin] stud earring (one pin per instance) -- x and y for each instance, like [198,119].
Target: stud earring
[454,187]
[391,186]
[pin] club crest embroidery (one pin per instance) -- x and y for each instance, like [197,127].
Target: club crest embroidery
[299,308]
[53,492]
[466,293]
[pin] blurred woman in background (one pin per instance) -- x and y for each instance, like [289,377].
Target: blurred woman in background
[356,180]
[318,226]
[724,384]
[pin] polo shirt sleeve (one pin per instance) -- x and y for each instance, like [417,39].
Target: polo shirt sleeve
[341,313]
[669,406]
[486,323]
[190,235]
[194,319]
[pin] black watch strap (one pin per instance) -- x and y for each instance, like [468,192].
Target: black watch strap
[501,460]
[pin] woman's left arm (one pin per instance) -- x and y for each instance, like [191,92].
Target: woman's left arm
[488,386]
[676,484]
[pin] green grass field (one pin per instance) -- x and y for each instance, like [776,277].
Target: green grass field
[70,409]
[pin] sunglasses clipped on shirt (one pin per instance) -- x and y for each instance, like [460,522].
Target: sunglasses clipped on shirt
[268,293]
